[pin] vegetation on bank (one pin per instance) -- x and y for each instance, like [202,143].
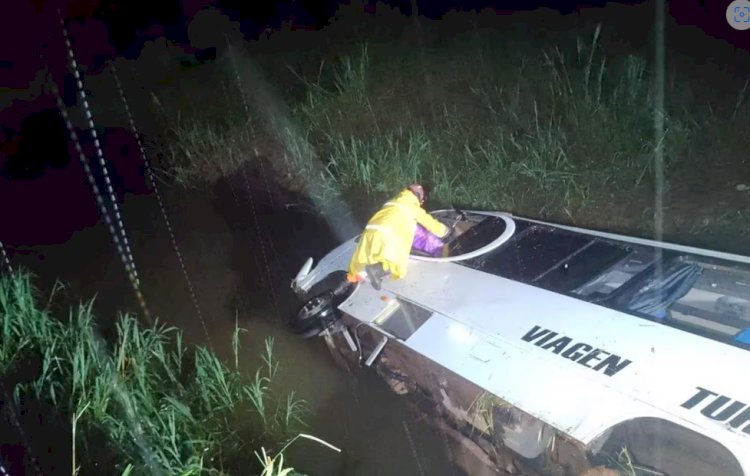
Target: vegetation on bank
[553,127]
[141,402]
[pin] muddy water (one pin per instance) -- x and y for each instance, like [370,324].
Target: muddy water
[243,280]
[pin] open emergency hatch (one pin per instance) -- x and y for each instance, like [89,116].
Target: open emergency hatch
[478,233]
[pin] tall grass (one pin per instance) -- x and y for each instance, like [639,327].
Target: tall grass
[556,128]
[145,401]
[531,134]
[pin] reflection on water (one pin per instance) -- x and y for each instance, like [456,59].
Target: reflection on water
[358,413]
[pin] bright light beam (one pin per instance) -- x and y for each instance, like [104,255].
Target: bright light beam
[301,160]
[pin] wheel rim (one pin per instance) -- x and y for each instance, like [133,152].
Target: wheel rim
[316,307]
[315,315]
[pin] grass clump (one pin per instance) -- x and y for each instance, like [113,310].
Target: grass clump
[534,134]
[551,126]
[143,403]
[555,129]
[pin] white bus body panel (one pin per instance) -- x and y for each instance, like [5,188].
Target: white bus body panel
[477,332]
[477,329]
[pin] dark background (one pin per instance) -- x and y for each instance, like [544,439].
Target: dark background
[35,153]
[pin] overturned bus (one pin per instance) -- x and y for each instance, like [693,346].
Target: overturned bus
[551,349]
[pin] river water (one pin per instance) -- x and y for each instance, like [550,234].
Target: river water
[241,246]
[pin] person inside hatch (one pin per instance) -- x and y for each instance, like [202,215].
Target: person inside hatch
[387,240]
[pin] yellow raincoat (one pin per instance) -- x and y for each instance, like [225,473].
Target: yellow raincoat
[388,236]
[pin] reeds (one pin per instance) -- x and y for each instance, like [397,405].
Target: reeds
[147,400]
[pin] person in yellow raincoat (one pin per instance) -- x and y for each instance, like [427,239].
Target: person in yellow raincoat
[386,242]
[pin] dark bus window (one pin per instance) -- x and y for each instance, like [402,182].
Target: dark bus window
[613,279]
[589,261]
[531,253]
[479,235]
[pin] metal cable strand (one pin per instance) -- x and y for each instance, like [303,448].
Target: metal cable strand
[271,201]
[99,153]
[100,202]
[162,206]
[258,158]
[251,135]
[262,246]
[246,222]
[413,447]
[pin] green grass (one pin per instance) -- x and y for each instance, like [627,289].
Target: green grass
[553,128]
[535,135]
[143,401]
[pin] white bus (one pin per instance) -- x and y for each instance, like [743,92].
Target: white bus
[597,340]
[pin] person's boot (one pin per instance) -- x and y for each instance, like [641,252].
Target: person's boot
[376,274]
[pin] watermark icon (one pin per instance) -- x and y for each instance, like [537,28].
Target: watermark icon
[738,14]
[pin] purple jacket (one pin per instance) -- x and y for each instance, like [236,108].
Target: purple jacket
[428,242]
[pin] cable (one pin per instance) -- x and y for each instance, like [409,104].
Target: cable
[99,153]
[245,221]
[262,246]
[100,201]
[251,135]
[162,207]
